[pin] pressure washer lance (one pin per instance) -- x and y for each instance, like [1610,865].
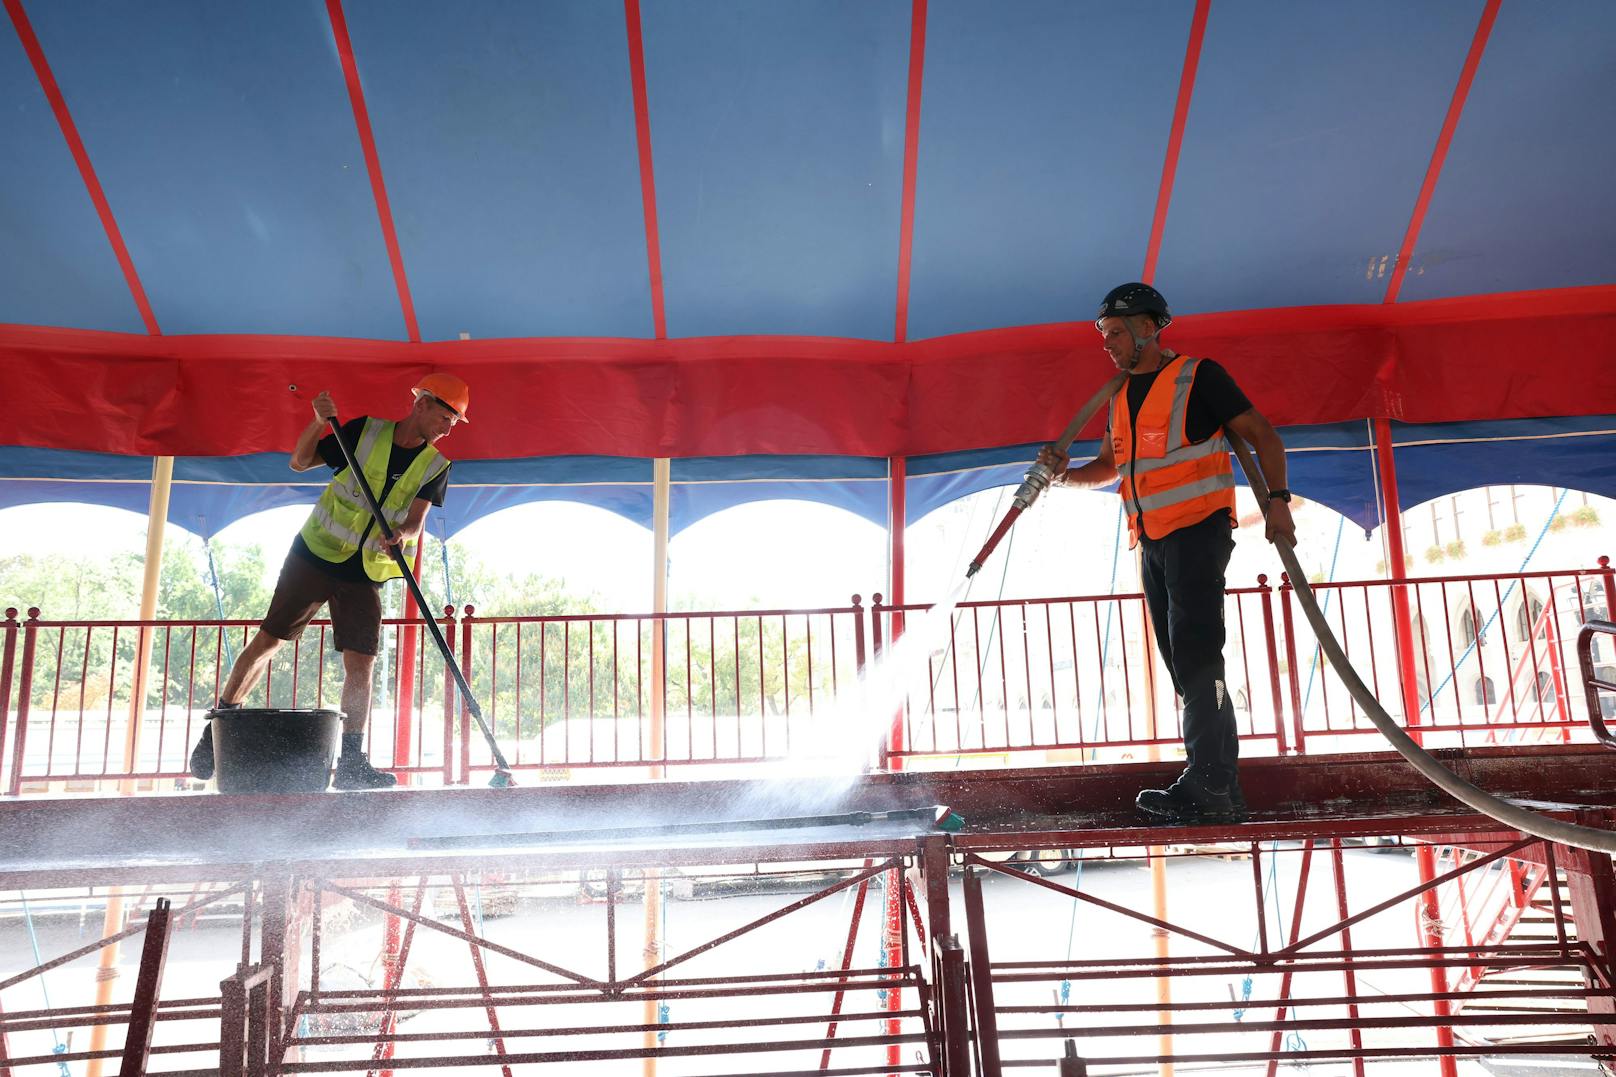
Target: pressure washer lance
[502,770]
[1039,477]
[935,817]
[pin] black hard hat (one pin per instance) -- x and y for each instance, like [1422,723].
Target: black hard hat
[1126,300]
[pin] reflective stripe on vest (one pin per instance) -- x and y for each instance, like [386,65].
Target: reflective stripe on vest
[341,519]
[1168,482]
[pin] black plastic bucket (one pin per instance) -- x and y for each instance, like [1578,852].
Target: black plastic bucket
[262,750]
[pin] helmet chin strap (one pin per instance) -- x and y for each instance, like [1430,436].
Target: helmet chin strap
[1139,343]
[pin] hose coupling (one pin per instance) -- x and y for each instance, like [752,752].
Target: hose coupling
[1036,482]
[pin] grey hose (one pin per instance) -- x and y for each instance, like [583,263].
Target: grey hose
[1511,815]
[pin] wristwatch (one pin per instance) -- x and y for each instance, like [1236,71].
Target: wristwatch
[1281,494]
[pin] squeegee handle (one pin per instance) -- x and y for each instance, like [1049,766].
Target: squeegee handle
[415,589]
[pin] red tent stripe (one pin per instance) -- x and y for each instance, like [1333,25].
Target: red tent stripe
[1433,172]
[373,165]
[1175,138]
[70,131]
[911,153]
[642,132]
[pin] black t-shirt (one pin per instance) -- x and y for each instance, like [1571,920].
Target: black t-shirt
[1214,400]
[397,463]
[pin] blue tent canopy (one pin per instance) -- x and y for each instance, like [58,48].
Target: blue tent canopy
[1332,464]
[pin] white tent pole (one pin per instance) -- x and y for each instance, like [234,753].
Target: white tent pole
[156,518]
[661,486]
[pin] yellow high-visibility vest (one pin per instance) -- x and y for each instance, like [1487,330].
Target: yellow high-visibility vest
[333,530]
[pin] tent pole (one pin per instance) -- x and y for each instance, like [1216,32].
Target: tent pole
[106,972]
[897,480]
[1397,568]
[404,692]
[661,485]
[1157,853]
[892,920]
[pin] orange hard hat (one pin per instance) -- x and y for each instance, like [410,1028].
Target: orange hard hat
[447,388]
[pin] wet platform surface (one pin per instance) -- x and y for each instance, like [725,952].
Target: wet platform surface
[75,840]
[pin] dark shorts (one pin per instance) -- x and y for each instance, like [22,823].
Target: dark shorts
[356,608]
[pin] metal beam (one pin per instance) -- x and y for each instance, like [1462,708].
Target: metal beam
[148,985]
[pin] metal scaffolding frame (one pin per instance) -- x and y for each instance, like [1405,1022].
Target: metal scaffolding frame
[959,1012]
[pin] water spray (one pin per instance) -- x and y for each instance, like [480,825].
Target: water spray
[502,770]
[1039,476]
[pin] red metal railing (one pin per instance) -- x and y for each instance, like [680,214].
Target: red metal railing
[1057,680]
[581,691]
[1072,679]
[1491,653]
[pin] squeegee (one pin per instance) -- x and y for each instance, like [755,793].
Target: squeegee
[934,817]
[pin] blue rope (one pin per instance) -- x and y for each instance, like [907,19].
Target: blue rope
[218,598]
[58,1047]
[1279,922]
[664,1010]
[1492,617]
[443,548]
[1313,665]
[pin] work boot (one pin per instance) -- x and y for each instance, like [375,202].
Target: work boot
[1237,802]
[1190,799]
[355,772]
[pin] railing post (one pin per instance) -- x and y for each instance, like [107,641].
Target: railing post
[1292,659]
[884,753]
[465,705]
[149,984]
[877,635]
[8,661]
[449,692]
[232,1024]
[1609,575]
[951,1006]
[858,633]
[25,689]
[981,976]
[1272,645]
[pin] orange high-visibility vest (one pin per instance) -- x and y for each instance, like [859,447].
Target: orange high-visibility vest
[1168,482]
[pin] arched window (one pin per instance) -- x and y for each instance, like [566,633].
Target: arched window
[1485,692]
[1545,686]
[1240,701]
[1469,627]
[1607,700]
[1595,604]
[1526,615]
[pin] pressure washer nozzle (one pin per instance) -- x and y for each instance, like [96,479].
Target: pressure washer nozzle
[948,819]
[501,780]
[975,567]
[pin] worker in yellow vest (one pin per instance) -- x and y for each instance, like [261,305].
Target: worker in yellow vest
[1165,443]
[340,558]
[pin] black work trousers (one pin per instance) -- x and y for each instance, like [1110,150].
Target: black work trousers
[1183,577]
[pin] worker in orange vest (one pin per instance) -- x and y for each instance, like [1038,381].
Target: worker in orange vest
[1165,443]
